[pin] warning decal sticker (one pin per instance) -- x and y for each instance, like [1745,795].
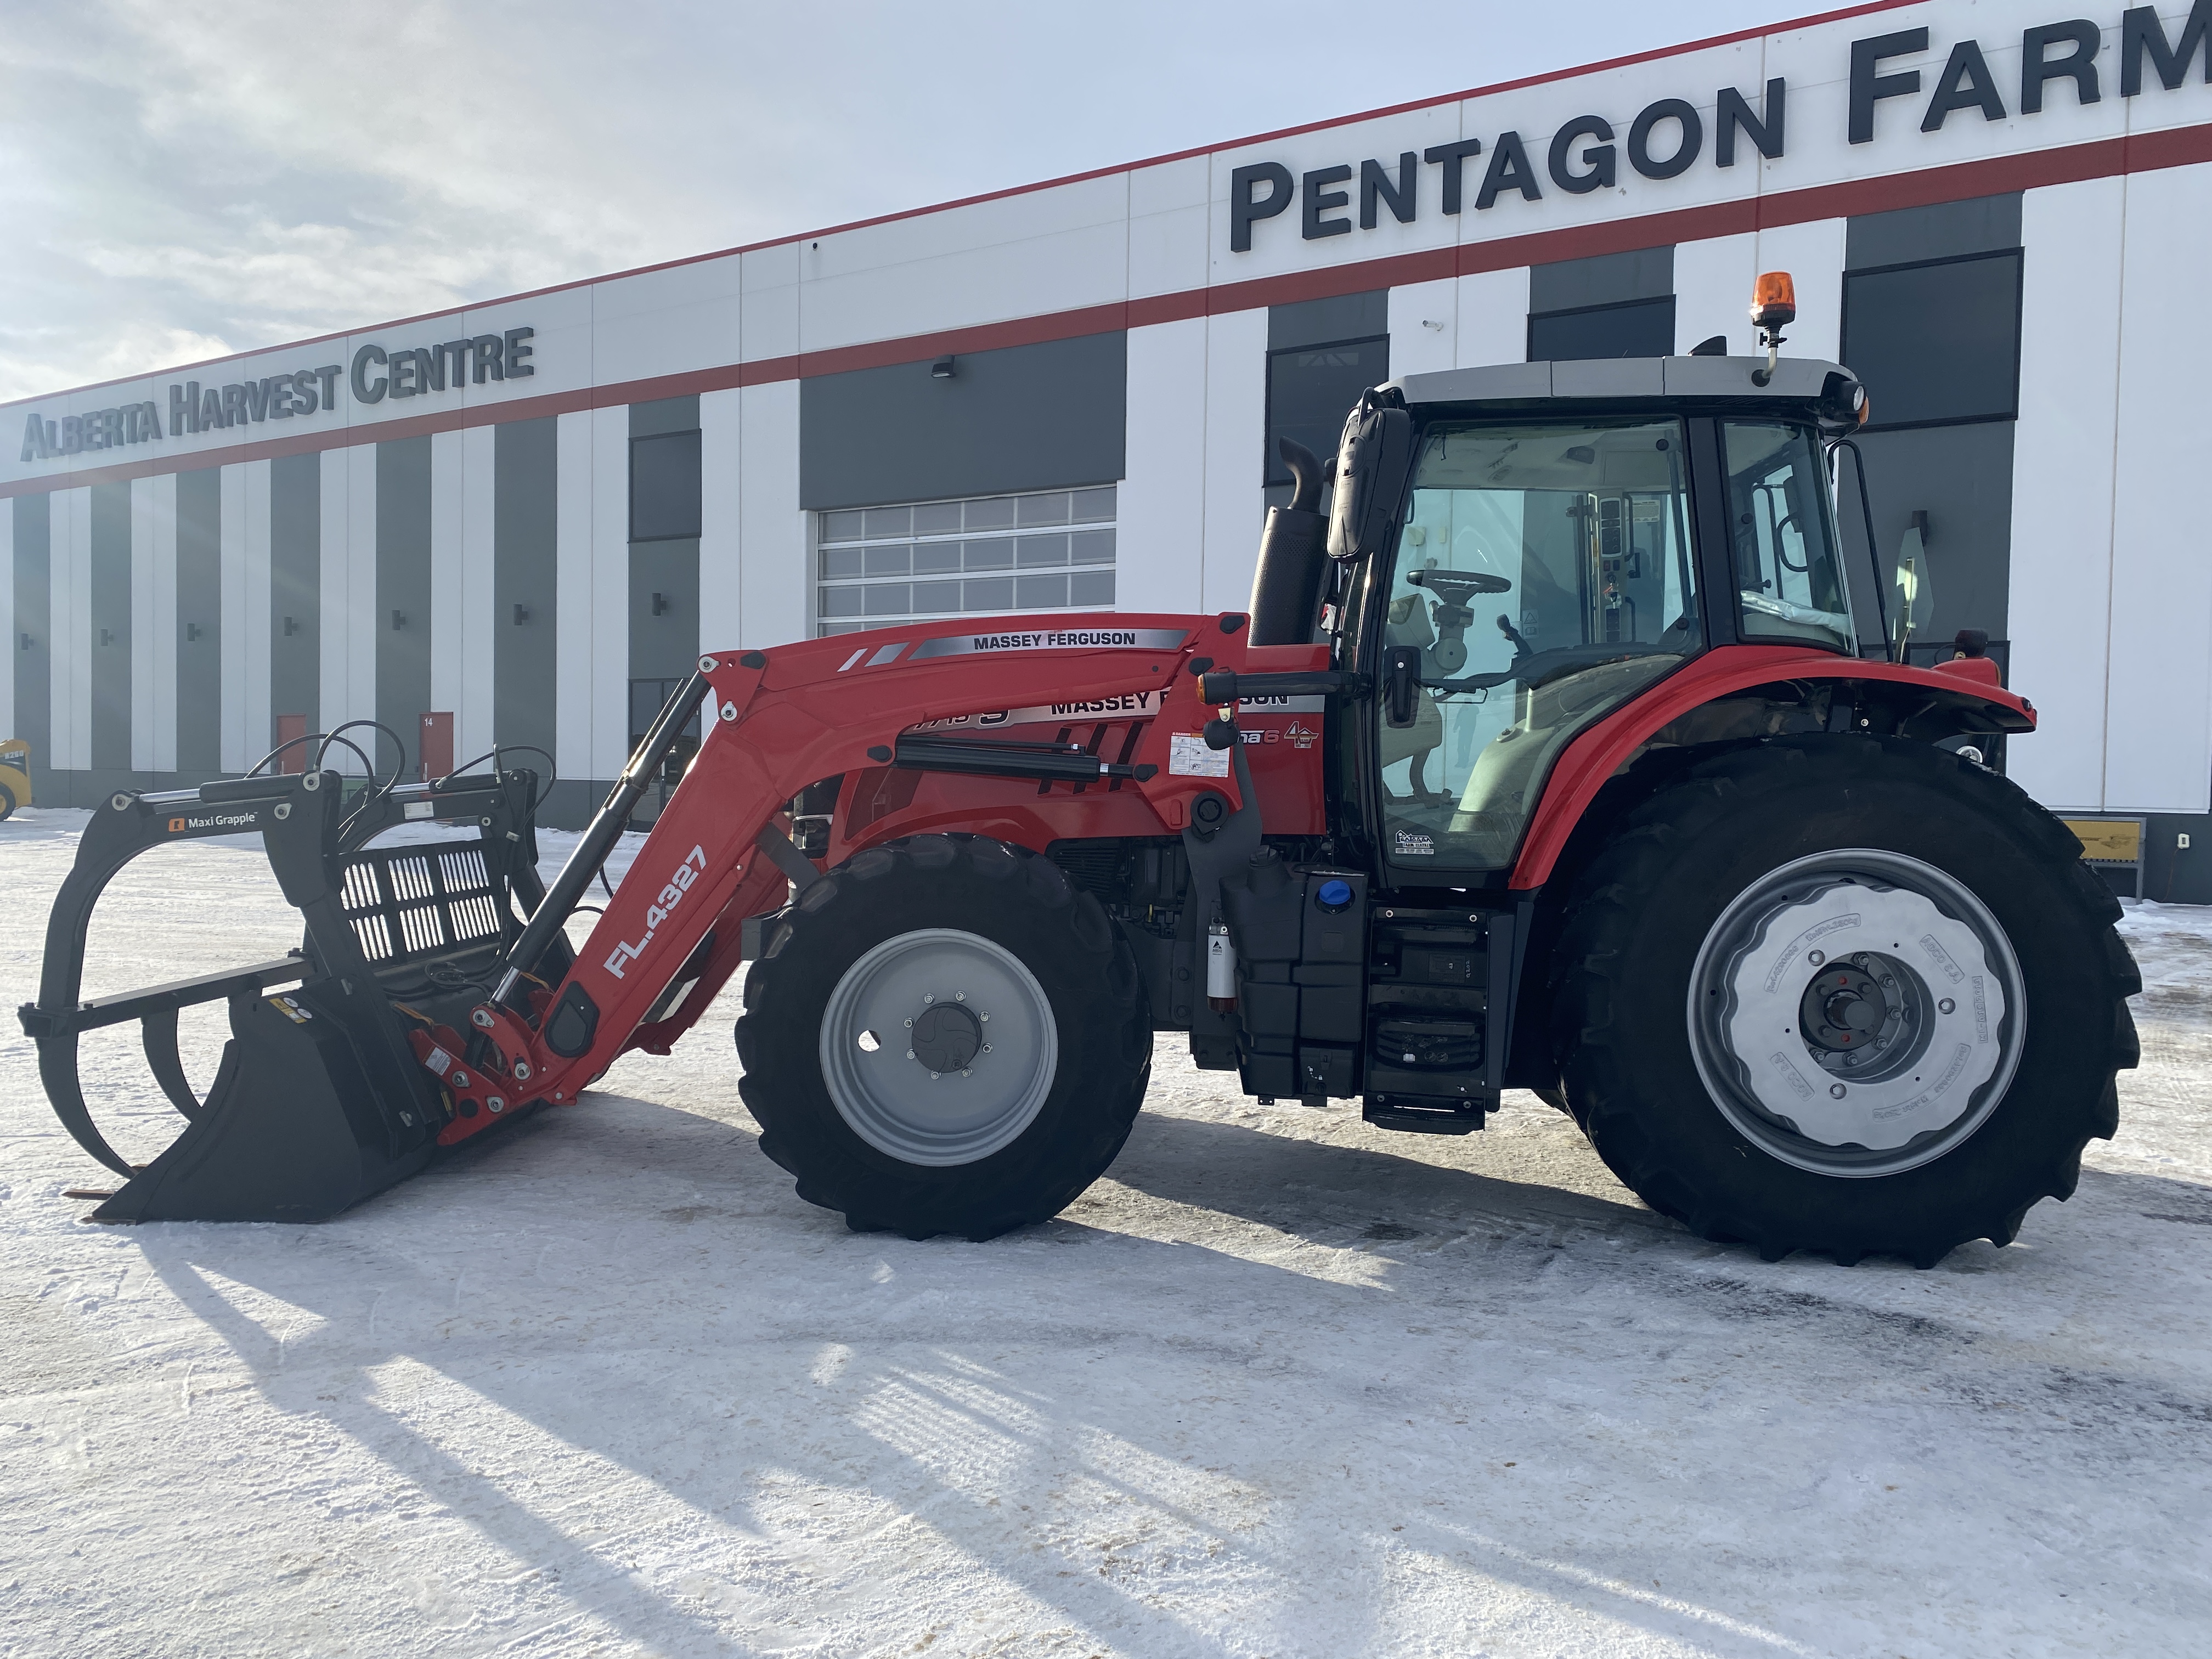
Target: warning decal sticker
[1189,757]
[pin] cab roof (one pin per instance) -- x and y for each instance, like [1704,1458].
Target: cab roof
[1615,379]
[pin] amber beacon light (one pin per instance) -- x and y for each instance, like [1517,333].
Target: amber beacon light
[1773,307]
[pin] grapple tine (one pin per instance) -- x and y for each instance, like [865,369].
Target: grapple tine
[57,1071]
[157,1035]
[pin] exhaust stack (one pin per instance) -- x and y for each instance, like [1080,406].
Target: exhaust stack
[1294,555]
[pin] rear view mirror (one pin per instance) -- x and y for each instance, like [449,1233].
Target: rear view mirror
[1915,593]
[1371,465]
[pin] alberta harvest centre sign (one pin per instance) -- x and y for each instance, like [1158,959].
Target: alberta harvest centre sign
[375,373]
[1892,77]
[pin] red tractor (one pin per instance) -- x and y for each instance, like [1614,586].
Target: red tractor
[1569,752]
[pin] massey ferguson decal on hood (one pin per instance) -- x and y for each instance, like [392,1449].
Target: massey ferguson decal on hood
[1070,639]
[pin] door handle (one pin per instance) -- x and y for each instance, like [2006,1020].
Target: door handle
[1401,684]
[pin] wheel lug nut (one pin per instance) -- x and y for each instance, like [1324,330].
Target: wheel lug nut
[910,1022]
[983,1015]
[960,996]
[910,1054]
[933,1076]
[1816,957]
[963,1071]
[1836,1090]
[1946,1006]
[987,1048]
[927,996]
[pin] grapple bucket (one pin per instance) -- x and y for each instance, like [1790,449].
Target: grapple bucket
[319,1100]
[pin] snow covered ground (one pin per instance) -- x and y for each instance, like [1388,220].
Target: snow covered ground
[1279,1385]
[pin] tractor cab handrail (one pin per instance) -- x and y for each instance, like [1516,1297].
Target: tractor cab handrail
[1226,685]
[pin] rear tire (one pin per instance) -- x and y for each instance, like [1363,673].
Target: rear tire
[884,969]
[6,800]
[1705,1038]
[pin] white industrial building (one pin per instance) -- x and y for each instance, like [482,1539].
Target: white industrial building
[531,514]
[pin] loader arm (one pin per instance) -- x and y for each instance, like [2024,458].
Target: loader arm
[673,932]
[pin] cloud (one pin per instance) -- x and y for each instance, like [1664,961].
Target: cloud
[180,177]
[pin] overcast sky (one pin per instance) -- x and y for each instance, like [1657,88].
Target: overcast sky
[181,178]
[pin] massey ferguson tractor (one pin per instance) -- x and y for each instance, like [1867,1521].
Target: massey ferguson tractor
[1571,751]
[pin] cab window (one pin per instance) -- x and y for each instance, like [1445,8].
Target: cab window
[1545,576]
[1790,583]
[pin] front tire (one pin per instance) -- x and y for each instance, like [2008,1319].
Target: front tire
[1843,993]
[944,1036]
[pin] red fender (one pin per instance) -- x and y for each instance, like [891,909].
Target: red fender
[1598,753]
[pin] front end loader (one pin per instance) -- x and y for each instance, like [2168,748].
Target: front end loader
[1571,749]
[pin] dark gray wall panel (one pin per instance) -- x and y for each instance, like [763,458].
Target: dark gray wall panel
[665,494]
[1644,273]
[525,669]
[663,415]
[663,646]
[1634,328]
[1311,390]
[1986,224]
[1324,322]
[1961,477]
[110,634]
[1937,341]
[199,619]
[32,649]
[296,596]
[402,590]
[1028,417]
[663,551]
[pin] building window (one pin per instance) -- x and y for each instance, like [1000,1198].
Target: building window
[664,487]
[1310,389]
[1937,343]
[1630,328]
[878,567]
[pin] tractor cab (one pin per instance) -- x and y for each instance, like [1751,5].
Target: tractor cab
[1526,550]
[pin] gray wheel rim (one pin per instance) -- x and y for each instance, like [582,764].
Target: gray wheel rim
[985,1023]
[1857,1013]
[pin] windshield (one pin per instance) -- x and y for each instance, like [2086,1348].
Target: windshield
[1545,575]
[1790,580]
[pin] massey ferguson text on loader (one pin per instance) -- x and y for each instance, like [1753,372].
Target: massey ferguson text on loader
[1669,836]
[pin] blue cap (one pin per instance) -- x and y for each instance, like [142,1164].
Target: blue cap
[1334,895]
